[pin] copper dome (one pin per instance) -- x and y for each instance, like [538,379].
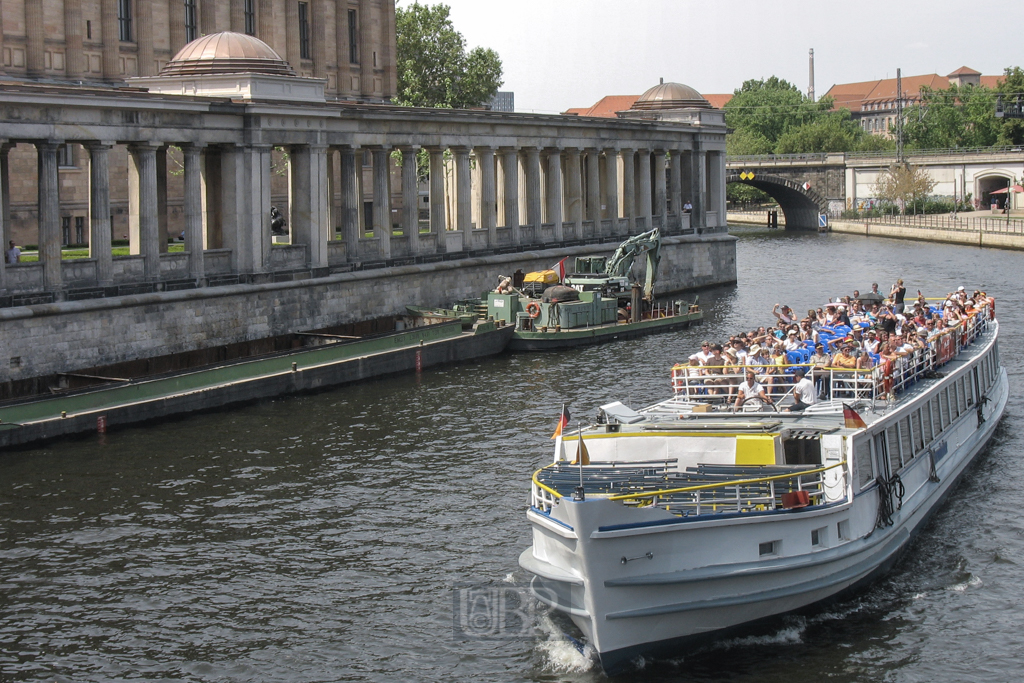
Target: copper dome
[227,53]
[671,96]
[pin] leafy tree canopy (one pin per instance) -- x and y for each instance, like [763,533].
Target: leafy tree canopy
[960,116]
[1011,87]
[434,68]
[773,117]
[904,183]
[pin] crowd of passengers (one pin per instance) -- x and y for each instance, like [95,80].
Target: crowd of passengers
[854,332]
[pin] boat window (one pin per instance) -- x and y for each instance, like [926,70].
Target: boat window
[802,450]
[881,450]
[819,537]
[862,461]
[915,423]
[965,390]
[936,417]
[843,530]
[906,446]
[926,417]
[944,408]
[955,407]
[894,448]
[769,548]
[995,353]
[983,374]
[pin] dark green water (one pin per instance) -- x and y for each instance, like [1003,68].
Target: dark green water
[318,538]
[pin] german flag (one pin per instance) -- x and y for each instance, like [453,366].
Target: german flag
[852,418]
[563,422]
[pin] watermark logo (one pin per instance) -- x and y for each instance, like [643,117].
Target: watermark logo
[498,612]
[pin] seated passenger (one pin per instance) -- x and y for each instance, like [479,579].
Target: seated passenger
[793,341]
[871,342]
[804,393]
[714,370]
[751,393]
[845,359]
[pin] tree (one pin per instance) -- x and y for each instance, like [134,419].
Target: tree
[903,183]
[434,69]
[959,116]
[769,108]
[1011,87]
[834,131]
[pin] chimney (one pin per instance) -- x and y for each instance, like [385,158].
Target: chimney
[810,79]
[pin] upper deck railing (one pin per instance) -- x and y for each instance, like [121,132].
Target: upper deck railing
[887,378]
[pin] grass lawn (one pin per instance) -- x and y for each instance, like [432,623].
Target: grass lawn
[33,256]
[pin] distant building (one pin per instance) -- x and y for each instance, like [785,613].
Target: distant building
[503,101]
[609,106]
[873,103]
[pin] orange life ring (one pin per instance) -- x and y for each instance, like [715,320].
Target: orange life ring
[533,309]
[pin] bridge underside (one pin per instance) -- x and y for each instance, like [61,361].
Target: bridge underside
[800,207]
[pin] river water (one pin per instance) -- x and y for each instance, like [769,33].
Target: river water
[322,537]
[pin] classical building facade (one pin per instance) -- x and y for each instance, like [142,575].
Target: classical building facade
[349,43]
[495,181]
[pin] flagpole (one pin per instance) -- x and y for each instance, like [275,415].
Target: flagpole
[579,494]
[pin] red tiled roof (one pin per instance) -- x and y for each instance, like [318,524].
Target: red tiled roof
[991,81]
[718,100]
[606,106]
[964,71]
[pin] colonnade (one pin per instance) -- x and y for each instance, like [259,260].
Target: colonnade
[479,199]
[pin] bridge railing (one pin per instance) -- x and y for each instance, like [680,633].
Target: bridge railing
[876,154]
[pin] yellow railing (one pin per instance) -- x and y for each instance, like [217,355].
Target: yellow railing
[687,489]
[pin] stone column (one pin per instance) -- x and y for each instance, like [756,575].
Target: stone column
[341,45]
[73,39]
[176,25]
[643,190]
[4,189]
[463,195]
[265,23]
[594,188]
[293,51]
[49,215]
[99,211]
[488,197]
[611,188]
[716,185]
[320,228]
[237,16]
[143,26]
[510,186]
[382,201]
[350,200]
[629,189]
[366,43]
[676,184]
[437,222]
[410,200]
[143,222]
[193,212]
[574,191]
[2,71]
[698,218]
[389,49]
[111,43]
[533,203]
[686,176]
[554,192]
[318,39]
[208,16]
[660,211]
[298,194]
[35,32]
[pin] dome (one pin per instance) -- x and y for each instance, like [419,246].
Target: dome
[227,53]
[671,96]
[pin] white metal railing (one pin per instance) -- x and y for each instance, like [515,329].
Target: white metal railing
[719,384]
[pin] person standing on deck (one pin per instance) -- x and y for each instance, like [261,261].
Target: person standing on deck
[897,294]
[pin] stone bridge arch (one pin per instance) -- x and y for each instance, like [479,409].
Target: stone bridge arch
[800,207]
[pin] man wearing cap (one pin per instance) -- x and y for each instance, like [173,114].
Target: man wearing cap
[845,358]
[820,360]
[783,313]
[871,342]
[751,392]
[803,392]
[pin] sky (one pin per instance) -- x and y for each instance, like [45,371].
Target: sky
[559,54]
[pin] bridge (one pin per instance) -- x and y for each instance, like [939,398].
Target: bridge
[806,185]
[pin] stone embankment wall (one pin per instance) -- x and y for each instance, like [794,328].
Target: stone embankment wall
[974,238]
[68,336]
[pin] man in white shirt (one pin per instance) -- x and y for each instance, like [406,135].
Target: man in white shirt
[13,253]
[803,392]
[751,393]
[704,354]
[793,341]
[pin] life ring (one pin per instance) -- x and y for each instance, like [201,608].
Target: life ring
[887,376]
[533,309]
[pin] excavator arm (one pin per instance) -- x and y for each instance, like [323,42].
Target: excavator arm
[649,244]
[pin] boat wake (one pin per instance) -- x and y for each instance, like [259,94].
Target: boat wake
[562,653]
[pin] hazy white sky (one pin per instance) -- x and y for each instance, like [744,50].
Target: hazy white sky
[559,54]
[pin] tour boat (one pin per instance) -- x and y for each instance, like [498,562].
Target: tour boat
[660,528]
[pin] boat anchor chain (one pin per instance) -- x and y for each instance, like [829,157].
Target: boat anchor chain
[649,555]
